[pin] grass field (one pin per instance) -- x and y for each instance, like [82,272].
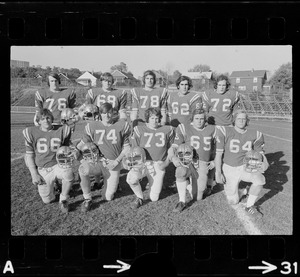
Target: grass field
[211,216]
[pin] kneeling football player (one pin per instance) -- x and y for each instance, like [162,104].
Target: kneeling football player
[240,157]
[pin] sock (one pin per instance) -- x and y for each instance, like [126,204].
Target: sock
[251,200]
[181,187]
[87,196]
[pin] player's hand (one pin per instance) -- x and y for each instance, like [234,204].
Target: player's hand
[112,164]
[176,161]
[210,165]
[220,178]
[38,180]
[163,164]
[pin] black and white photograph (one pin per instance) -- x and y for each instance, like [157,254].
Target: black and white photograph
[151,140]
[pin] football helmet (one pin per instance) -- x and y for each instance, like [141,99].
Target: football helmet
[67,115]
[134,158]
[185,154]
[89,112]
[90,152]
[252,161]
[65,157]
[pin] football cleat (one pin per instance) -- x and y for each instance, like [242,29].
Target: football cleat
[185,154]
[138,202]
[64,206]
[134,158]
[89,112]
[68,115]
[90,152]
[65,157]
[253,212]
[86,205]
[179,207]
[252,161]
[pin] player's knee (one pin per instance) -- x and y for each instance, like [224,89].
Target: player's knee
[132,179]
[181,173]
[154,196]
[258,180]
[84,170]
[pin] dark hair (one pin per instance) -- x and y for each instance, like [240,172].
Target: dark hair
[197,111]
[221,78]
[107,75]
[108,108]
[54,75]
[149,72]
[42,113]
[152,111]
[184,78]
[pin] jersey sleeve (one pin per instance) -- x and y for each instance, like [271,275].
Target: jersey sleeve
[171,137]
[89,96]
[259,143]
[87,135]
[135,101]
[135,138]
[205,101]
[163,101]
[123,100]
[126,134]
[236,101]
[196,102]
[28,141]
[72,99]
[38,100]
[220,139]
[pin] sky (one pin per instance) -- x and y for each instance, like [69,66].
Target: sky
[138,59]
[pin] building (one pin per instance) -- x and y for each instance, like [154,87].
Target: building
[87,79]
[15,63]
[123,78]
[248,80]
[205,78]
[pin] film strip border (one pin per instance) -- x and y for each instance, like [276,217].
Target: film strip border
[156,23]
[191,255]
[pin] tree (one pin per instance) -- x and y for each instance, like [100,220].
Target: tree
[282,78]
[200,68]
[121,67]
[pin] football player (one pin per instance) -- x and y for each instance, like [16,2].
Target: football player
[155,140]
[116,97]
[146,97]
[54,99]
[233,142]
[181,103]
[221,102]
[45,159]
[112,139]
[193,144]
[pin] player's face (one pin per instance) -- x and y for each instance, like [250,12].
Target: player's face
[153,121]
[221,86]
[199,121]
[53,83]
[184,86]
[149,81]
[107,84]
[106,117]
[241,121]
[45,122]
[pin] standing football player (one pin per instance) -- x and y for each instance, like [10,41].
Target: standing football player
[54,99]
[106,93]
[155,140]
[234,143]
[181,103]
[111,136]
[200,138]
[221,102]
[146,97]
[45,159]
